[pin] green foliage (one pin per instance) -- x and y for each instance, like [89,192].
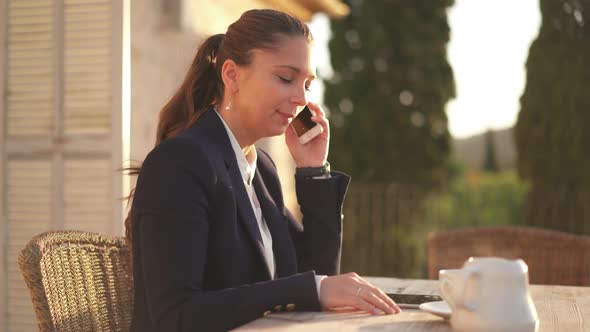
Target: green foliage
[386,230]
[477,199]
[552,135]
[388,94]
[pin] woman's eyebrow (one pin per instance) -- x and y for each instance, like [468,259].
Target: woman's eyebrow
[297,70]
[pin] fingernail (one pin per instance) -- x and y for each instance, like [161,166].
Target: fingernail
[378,311]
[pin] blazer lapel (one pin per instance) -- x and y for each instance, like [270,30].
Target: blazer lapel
[285,259]
[247,215]
[217,130]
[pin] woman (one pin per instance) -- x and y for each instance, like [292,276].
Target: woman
[213,245]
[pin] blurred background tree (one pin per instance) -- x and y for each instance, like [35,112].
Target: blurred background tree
[387,101]
[552,135]
[388,93]
[490,163]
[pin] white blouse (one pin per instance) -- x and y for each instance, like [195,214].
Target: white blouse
[247,165]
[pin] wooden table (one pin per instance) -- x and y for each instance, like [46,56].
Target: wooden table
[560,308]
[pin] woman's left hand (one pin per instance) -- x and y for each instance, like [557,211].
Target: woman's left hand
[315,152]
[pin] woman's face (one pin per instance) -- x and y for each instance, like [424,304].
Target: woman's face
[273,88]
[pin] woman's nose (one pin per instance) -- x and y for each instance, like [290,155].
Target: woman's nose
[299,96]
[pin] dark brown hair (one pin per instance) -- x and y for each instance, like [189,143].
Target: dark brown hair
[202,87]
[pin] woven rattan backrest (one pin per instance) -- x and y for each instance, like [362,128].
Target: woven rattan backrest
[552,257]
[79,281]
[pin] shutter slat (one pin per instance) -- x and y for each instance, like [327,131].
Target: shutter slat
[83,95]
[89,126]
[88,76]
[99,17]
[43,114]
[89,44]
[29,20]
[30,95]
[35,11]
[82,68]
[80,27]
[16,30]
[30,4]
[85,61]
[28,37]
[31,79]
[86,2]
[85,35]
[30,88]
[90,104]
[88,8]
[30,72]
[17,46]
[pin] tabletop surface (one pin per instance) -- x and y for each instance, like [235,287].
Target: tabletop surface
[560,308]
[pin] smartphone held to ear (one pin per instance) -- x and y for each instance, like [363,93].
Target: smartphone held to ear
[304,127]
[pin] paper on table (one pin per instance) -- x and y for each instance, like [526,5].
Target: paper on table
[338,313]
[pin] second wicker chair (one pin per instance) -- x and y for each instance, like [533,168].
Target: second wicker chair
[552,257]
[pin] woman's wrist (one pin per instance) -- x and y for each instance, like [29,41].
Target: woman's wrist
[313,172]
[310,163]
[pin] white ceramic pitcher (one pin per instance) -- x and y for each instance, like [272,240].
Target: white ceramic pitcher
[489,295]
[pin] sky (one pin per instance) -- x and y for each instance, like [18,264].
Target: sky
[489,45]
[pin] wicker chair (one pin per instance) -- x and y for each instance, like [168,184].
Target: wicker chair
[552,257]
[79,281]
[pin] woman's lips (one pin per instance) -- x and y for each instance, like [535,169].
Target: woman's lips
[286,117]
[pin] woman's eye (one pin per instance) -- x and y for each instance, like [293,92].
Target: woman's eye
[285,79]
[289,81]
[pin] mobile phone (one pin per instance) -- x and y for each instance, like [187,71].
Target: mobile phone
[412,301]
[304,127]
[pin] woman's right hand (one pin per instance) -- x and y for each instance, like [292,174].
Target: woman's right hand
[350,290]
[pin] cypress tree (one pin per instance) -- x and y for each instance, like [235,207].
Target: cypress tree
[388,94]
[552,132]
[490,163]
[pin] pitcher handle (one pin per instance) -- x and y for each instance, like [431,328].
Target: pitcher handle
[447,293]
[469,304]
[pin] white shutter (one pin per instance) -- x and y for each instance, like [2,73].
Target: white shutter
[60,145]
[88,34]
[87,66]
[30,104]
[30,68]
[88,195]
[28,195]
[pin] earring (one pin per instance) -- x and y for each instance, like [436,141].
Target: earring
[228,107]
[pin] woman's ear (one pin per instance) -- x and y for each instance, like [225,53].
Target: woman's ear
[230,74]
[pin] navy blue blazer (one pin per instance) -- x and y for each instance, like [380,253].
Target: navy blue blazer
[198,261]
